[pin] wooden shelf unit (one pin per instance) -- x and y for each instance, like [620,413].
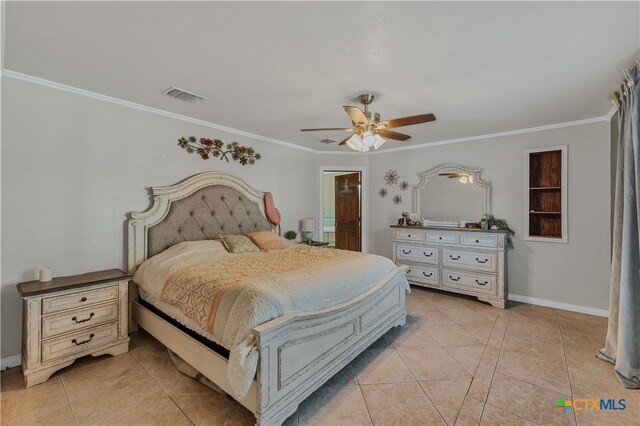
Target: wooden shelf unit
[546,194]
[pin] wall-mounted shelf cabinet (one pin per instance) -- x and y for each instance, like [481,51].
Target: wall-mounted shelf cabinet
[546,194]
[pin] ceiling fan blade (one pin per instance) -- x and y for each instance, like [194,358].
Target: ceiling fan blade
[356,115]
[344,141]
[408,121]
[334,129]
[393,135]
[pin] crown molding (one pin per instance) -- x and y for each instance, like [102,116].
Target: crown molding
[128,104]
[496,135]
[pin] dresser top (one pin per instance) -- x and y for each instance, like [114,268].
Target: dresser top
[32,288]
[435,228]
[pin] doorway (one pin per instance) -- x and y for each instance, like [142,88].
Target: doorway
[341,206]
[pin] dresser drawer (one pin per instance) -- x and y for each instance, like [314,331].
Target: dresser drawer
[410,235]
[478,240]
[78,318]
[441,237]
[417,254]
[63,346]
[425,275]
[468,281]
[79,300]
[471,260]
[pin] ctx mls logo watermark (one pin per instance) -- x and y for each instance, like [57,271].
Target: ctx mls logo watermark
[588,404]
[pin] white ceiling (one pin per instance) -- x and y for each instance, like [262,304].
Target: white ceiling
[273,68]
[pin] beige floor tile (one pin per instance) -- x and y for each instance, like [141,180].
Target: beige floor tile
[140,338]
[157,409]
[81,363]
[432,364]
[523,399]
[203,408]
[110,370]
[430,317]
[582,323]
[411,335]
[379,345]
[497,334]
[105,398]
[533,310]
[60,417]
[452,335]
[20,406]
[167,378]
[481,331]
[344,377]
[187,385]
[470,412]
[489,358]
[11,379]
[479,388]
[493,416]
[400,404]
[239,416]
[534,324]
[381,367]
[334,405]
[467,356]
[542,348]
[467,316]
[541,372]
[447,396]
[153,357]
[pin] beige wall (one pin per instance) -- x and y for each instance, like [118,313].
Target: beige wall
[73,166]
[575,273]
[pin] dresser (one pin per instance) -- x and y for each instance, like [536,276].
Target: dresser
[472,262]
[70,317]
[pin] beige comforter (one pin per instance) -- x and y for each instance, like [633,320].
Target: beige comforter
[223,296]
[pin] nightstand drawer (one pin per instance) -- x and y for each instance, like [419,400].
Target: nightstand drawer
[79,299]
[78,318]
[70,344]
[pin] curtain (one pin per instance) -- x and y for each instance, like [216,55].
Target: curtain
[622,346]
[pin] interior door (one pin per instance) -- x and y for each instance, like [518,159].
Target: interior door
[348,194]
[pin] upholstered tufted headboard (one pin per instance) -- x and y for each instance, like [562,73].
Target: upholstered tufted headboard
[198,208]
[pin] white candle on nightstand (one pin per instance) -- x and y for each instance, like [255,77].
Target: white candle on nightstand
[44,275]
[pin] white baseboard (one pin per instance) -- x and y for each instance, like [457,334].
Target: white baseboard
[560,305]
[10,361]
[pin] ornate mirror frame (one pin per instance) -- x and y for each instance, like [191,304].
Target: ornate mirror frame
[451,167]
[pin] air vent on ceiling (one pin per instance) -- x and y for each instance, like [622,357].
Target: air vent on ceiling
[327,141]
[183,95]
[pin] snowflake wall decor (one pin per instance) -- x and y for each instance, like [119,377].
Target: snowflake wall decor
[391,177]
[382,193]
[397,200]
[404,185]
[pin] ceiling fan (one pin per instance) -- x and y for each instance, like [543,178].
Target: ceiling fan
[368,130]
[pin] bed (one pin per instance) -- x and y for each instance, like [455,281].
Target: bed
[317,319]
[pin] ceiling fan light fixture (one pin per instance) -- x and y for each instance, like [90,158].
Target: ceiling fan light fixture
[379,141]
[368,139]
[355,143]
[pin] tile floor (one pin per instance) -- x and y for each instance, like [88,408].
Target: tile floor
[456,362]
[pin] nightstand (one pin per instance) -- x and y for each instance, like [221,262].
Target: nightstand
[70,317]
[315,243]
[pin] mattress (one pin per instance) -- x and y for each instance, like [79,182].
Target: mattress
[258,288]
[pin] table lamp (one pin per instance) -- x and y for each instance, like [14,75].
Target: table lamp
[308,226]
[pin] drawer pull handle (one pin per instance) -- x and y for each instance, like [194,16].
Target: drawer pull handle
[409,236]
[428,255]
[439,238]
[484,283]
[406,251]
[408,270]
[84,299]
[454,279]
[427,275]
[74,341]
[83,320]
[477,241]
[481,261]
[454,258]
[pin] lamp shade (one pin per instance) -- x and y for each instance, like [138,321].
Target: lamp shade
[308,225]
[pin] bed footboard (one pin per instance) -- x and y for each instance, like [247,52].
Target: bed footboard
[300,352]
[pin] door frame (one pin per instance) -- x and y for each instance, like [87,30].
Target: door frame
[364,208]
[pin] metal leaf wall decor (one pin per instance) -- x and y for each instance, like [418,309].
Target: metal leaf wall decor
[206,148]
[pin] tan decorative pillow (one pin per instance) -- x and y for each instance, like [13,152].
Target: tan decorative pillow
[267,240]
[238,244]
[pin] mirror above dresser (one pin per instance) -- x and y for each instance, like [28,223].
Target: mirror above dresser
[452,193]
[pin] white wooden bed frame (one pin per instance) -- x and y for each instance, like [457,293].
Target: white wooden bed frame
[298,352]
